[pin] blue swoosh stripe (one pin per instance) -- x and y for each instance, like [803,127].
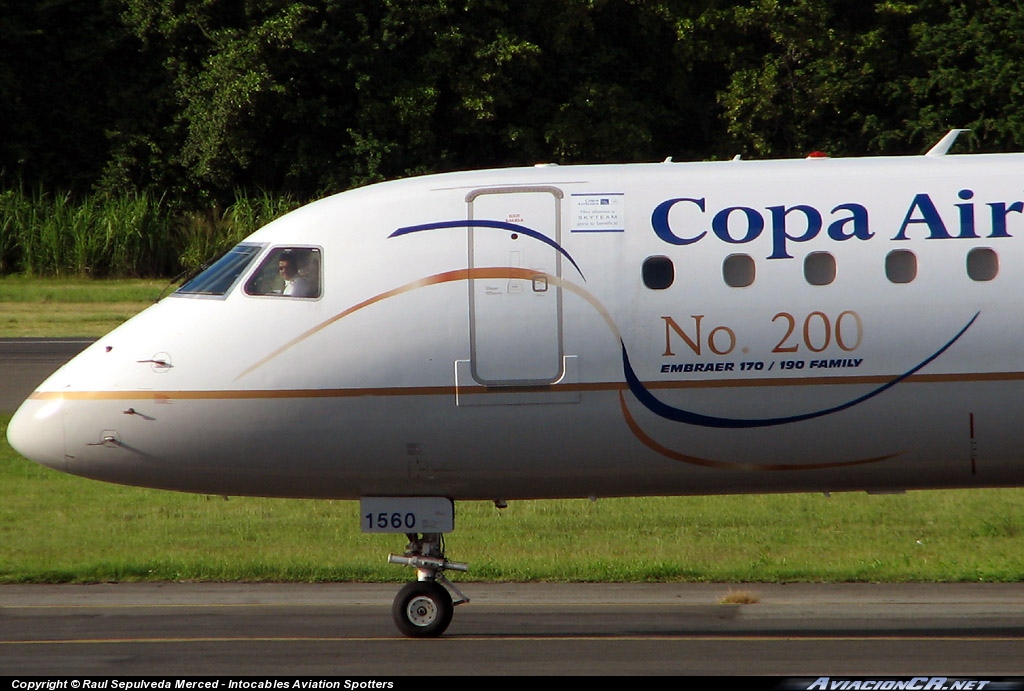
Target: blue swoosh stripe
[500,225]
[680,415]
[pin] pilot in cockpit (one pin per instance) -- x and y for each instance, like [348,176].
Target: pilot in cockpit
[295,284]
[288,272]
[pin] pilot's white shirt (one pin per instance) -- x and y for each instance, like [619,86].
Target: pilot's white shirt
[298,287]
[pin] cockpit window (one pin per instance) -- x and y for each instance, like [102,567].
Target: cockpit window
[287,272]
[223,273]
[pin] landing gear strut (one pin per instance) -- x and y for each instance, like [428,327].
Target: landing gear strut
[424,607]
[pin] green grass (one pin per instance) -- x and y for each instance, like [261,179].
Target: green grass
[59,528]
[38,307]
[50,290]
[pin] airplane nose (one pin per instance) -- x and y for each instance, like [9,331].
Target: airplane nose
[37,432]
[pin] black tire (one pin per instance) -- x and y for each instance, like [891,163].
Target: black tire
[422,609]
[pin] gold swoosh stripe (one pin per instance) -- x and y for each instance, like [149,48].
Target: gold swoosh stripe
[242,394]
[436,279]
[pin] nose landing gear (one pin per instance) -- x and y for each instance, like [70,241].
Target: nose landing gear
[424,607]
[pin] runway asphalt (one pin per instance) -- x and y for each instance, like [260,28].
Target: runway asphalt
[337,630]
[26,362]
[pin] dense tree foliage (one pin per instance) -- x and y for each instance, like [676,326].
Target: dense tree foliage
[69,73]
[195,98]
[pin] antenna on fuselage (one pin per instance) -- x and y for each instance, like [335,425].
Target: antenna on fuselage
[945,144]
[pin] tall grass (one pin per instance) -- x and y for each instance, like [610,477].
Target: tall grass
[134,235]
[205,235]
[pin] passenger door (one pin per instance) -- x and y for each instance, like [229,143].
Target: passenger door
[516,323]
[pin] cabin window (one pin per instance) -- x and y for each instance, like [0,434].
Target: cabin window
[658,273]
[820,268]
[738,270]
[982,264]
[287,272]
[901,266]
[221,276]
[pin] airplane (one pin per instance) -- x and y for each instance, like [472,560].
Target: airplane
[818,324]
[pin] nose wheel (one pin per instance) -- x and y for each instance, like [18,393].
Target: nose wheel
[423,608]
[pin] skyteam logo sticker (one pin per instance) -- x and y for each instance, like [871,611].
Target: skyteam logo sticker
[597,213]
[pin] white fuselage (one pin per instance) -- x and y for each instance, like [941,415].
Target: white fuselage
[495,335]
